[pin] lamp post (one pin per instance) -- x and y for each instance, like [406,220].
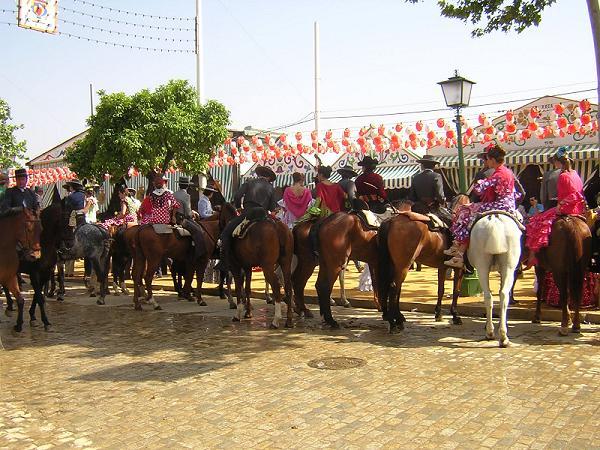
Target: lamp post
[457,94]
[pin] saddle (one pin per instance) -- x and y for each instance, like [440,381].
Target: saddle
[433,222]
[368,219]
[253,216]
[499,212]
[163,228]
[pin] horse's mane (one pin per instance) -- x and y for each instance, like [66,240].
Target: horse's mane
[11,212]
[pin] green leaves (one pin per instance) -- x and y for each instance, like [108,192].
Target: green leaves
[10,148]
[492,15]
[150,130]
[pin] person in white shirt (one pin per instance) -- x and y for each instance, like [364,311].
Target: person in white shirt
[205,208]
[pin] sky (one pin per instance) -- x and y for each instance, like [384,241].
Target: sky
[376,57]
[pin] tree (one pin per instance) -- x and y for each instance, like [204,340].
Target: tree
[10,148]
[492,15]
[150,131]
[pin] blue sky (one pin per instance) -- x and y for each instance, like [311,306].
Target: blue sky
[377,56]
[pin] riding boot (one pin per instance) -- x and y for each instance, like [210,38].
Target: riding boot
[457,261]
[453,250]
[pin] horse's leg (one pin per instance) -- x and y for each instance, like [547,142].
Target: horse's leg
[342,276]
[484,280]
[539,293]
[34,279]
[38,298]
[9,301]
[188,280]
[152,265]
[13,287]
[287,290]
[440,293]
[300,277]
[373,271]
[200,269]
[268,297]
[248,293]
[273,280]
[52,281]
[456,286]
[98,272]
[324,286]
[238,278]
[561,284]
[137,273]
[507,277]
[60,269]
[395,318]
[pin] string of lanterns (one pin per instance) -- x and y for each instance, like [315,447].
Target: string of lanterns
[573,119]
[47,175]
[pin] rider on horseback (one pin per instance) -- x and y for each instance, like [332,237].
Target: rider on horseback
[256,193]
[497,193]
[427,190]
[370,187]
[185,216]
[20,195]
[158,207]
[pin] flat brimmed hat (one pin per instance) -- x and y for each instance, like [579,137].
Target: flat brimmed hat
[347,171]
[428,160]
[263,171]
[74,183]
[162,176]
[210,189]
[185,181]
[20,173]
[131,190]
[368,161]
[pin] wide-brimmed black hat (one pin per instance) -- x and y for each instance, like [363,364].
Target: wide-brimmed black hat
[428,160]
[209,189]
[75,183]
[264,171]
[347,171]
[367,161]
[185,181]
[20,173]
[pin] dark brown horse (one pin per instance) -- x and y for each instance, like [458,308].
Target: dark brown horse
[19,228]
[567,257]
[402,241]
[341,237]
[267,244]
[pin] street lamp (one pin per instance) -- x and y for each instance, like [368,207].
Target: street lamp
[457,94]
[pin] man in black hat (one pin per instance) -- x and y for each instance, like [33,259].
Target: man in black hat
[427,189]
[370,187]
[348,185]
[205,208]
[255,193]
[185,204]
[75,202]
[20,195]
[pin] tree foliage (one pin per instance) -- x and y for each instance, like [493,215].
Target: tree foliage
[492,15]
[10,148]
[150,131]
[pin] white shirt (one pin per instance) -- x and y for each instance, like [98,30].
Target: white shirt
[204,207]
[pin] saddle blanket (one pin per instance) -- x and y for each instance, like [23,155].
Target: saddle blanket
[242,229]
[164,228]
[515,218]
[73,217]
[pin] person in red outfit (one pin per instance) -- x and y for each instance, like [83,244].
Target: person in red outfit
[370,187]
[332,196]
[159,205]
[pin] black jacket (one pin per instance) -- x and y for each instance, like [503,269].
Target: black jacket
[15,197]
[256,192]
[427,187]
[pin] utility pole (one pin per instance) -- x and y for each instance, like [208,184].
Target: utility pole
[199,54]
[317,78]
[91,100]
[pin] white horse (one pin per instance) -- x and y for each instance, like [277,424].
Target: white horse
[495,242]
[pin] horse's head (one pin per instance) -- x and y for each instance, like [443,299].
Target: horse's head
[227,213]
[29,231]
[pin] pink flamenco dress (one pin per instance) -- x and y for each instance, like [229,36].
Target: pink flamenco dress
[497,192]
[570,202]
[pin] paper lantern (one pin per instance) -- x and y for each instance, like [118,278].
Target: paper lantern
[419,126]
[298,136]
[299,147]
[314,145]
[377,140]
[221,153]
[559,108]
[511,128]
[381,130]
[240,140]
[360,141]
[450,134]
[398,127]
[510,115]
[534,112]
[526,134]
[585,119]
[328,135]
[562,122]
[254,140]
[440,123]
[347,133]
[412,137]
[313,135]
[572,129]
[329,144]
[395,138]
[481,119]
[469,132]
[532,126]
[584,105]
[430,135]
[489,130]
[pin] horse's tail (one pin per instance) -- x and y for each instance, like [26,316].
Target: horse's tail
[384,263]
[496,241]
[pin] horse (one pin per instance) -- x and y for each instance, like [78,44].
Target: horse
[19,228]
[93,242]
[341,237]
[495,241]
[266,244]
[567,256]
[405,239]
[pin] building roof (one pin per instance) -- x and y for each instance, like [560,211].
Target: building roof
[57,153]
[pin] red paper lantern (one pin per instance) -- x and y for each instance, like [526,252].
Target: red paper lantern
[430,134]
[534,112]
[395,139]
[347,133]
[398,127]
[377,140]
[299,147]
[381,130]
[511,128]
[419,126]
[489,130]
[559,108]
[283,138]
[481,118]
[345,142]
[532,126]
[440,123]
[361,141]
[562,122]
[221,153]
[329,144]
[211,164]
[328,135]
[314,145]
[586,118]
[313,135]
[298,136]
[228,141]
[572,129]
[526,134]
[412,137]
[230,160]
[450,134]
[469,132]
[584,105]
[509,115]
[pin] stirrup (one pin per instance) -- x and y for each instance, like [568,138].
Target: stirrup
[452,251]
[457,262]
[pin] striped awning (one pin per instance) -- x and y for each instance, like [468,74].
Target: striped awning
[394,177]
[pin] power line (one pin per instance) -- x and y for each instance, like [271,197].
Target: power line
[122,33]
[302,120]
[124,22]
[115,44]
[122,11]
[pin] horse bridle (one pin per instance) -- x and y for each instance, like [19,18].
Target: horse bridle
[206,231]
[27,232]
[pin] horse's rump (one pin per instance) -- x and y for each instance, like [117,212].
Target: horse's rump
[496,243]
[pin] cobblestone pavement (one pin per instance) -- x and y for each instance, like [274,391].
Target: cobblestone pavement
[111,377]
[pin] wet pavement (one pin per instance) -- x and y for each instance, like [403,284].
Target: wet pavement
[188,377]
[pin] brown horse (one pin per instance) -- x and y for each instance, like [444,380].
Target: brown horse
[567,256]
[341,237]
[403,241]
[267,244]
[19,228]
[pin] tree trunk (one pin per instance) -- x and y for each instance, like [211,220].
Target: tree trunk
[594,12]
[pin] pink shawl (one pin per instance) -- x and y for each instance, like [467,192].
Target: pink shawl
[297,205]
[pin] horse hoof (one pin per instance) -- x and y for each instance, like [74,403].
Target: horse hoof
[235,319]
[395,329]
[438,317]
[202,303]
[346,304]
[563,331]
[536,320]
[576,330]
[18,328]
[232,306]
[48,327]
[100,302]
[92,294]
[60,299]
[489,336]
[248,315]
[157,308]
[289,324]
[272,326]
[33,323]
[8,312]
[333,325]
[457,321]
[504,343]
[308,314]
[331,302]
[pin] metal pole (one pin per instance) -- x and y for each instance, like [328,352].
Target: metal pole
[317,78]
[462,182]
[91,100]
[199,55]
